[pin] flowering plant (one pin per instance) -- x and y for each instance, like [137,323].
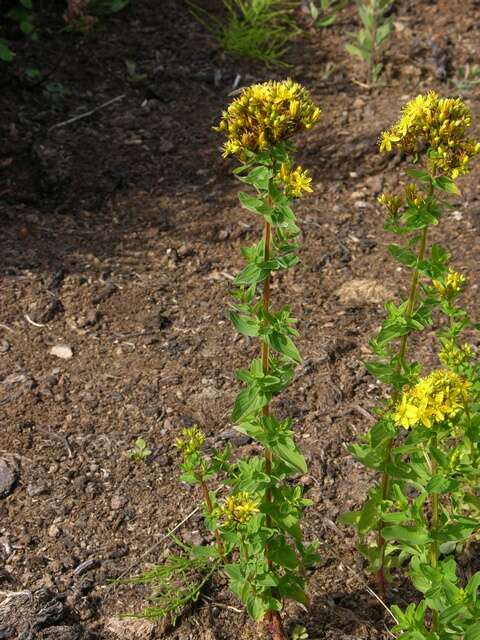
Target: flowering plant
[257,526]
[425,442]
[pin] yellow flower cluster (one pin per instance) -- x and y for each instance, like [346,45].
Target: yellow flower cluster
[452,285]
[295,180]
[239,508]
[440,125]
[453,355]
[392,203]
[434,399]
[191,441]
[264,115]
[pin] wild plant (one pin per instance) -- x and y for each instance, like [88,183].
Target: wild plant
[425,441]
[256,524]
[368,41]
[22,14]
[325,12]
[139,451]
[258,29]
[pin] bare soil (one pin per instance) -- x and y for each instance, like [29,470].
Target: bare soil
[121,232]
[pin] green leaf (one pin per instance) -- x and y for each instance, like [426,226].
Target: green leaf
[6,54]
[285,345]
[282,554]
[472,632]
[244,324]
[251,203]
[288,453]
[446,184]
[441,484]
[260,177]
[355,51]
[326,22]
[256,607]
[248,401]
[403,255]
[423,176]
[410,535]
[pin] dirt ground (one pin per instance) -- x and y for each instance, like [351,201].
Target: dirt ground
[120,235]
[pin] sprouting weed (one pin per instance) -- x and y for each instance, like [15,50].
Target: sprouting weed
[299,633]
[368,41]
[139,451]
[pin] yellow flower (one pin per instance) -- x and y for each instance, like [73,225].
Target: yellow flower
[392,204]
[434,399]
[453,355]
[191,441]
[295,181]
[451,286]
[439,125]
[264,115]
[239,508]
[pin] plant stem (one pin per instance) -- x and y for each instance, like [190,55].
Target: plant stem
[208,501]
[265,349]
[401,357]
[272,618]
[434,548]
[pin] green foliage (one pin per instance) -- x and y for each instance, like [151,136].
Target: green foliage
[177,583]
[324,13]
[27,14]
[466,78]
[367,42]
[299,633]
[258,29]
[425,505]
[139,451]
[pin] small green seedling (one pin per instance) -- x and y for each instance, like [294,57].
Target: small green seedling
[140,451]
[467,77]
[367,42]
[325,12]
[299,633]
[134,78]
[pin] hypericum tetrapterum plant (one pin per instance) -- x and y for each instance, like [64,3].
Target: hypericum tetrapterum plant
[260,522]
[425,442]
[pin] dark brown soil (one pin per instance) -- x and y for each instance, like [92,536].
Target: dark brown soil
[120,235]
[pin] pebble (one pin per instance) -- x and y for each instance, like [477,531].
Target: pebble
[53,531]
[4,346]
[34,490]
[63,351]
[8,478]
[130,629]
[117,502]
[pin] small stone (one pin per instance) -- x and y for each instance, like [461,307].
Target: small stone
[4,346]
[358,103]
[53,531]
[34,490]
[89,319]
[104,293]
[63,351]
[8,478]
[130,629]
[166,146]
[117,502]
